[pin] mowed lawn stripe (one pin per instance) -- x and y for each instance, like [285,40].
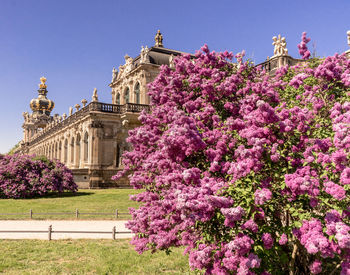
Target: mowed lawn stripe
[87,257]
[94,201]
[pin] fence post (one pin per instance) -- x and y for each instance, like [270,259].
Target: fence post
[31,214]
[50,232]
[116,214]
[77,213]
[113,233]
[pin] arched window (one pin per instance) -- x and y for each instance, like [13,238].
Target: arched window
[65,158]
[60,151]
[126,95]
[56,151]
[78,152]
[137,93]
[86,147]
[118,98]
[72,151]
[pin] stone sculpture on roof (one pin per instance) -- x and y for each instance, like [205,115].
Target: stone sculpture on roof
[128,63]
[280,45]
[94,95]
[171,61]
[348,33]
[144,57]
[114,74]
[159,39]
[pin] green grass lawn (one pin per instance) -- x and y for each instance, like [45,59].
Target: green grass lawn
[101,200]
[86,257]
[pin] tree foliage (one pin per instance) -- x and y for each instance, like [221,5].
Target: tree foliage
[249,171]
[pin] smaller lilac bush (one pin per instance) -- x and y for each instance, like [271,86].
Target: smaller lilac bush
[24,176]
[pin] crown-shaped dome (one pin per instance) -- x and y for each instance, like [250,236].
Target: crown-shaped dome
[41,104]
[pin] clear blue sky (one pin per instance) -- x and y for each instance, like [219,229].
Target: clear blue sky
[76,43]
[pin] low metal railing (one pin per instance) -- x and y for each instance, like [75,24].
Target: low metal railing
[49,232]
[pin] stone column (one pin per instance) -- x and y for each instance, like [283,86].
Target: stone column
[95,173]
[69,153]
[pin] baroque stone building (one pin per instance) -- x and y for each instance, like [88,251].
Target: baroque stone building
[92,139]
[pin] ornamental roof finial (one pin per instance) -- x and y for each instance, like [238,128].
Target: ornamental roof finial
[159,39]
[42,85]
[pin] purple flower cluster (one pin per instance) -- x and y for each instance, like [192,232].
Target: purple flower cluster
[303,50]
[230,156]
[316,267]
[312,238]
[262,195]
[23,176]
[283,240]
[232,215]
[336,191]
[267,240]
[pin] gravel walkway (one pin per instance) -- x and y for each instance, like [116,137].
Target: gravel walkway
[59,225]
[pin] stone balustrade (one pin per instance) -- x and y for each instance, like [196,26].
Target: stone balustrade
[91,107]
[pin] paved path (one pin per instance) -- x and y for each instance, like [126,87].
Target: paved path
[59,225]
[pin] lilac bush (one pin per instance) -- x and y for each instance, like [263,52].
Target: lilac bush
[250,172]
[24,176]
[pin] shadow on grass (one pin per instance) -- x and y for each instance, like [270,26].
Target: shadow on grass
[61,195]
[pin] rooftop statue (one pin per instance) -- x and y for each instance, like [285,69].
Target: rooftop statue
[348,33]
[128,63]
[171,61]
[94,96]
[26,116]
[280,46]
[121,71]
[144,58]
[42,85]
[114,74]
[159,39]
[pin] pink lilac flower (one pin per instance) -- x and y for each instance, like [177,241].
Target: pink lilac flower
[303,50]
[283,240]
[242,244]
[335,190]
[312,238]
[316,267]
[262,195]
[232,215]
[345,176]
[345,268]
[250,225]
[267,240]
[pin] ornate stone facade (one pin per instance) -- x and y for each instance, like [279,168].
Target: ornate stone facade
[91,140]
